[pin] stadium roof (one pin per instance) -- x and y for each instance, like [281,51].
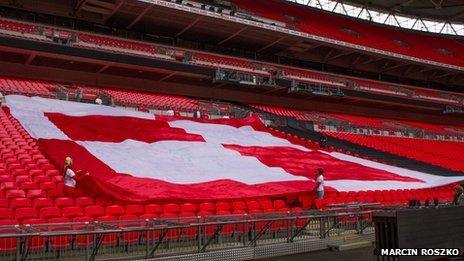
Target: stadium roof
[435,16]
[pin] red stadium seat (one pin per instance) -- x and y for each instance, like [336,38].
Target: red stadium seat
[62,202]
[129,221]
[72,212]
[109,239]
[188,208]
[83,240]
[35,243]
[94,211]
[49,212]
[114,210]
[42,202]
[134,210]
[153,209]
[36,193]
[207,207]
[171,208]
[20,203]
[3,203]
[173,233]
[239,206]
[60,241]
[8,244]
[223,206]
[6,213]
[25,213]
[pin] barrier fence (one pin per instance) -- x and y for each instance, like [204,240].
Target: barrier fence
[149,238]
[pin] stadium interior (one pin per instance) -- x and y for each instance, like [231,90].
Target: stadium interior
[214,117]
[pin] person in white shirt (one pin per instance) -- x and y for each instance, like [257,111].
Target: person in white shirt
[70,178]
[319,183]
[170,112]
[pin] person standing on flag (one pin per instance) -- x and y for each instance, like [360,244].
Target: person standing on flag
[70,178]
[98,101]
[319,183]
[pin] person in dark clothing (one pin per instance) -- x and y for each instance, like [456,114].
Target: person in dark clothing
[323,141]
[458,196]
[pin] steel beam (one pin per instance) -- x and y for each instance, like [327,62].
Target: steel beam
[137,19]
[233,35]
[187,27]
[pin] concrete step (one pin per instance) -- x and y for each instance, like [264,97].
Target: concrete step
[351,245]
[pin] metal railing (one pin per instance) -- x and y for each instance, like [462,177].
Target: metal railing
[149,238]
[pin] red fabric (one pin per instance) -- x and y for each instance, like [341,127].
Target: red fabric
[104,181]
[304,163]
[73,192]
[118,129]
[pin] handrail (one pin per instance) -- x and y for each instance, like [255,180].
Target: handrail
[158,223]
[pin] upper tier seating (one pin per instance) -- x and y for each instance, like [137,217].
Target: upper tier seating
[445,154]
[226,62]
[214,59]
[313,77]
[359,32]
[133,47]
[116,43]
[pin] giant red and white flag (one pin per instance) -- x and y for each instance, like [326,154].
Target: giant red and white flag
[134,156]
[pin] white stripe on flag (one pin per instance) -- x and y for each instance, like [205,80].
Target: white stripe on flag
[225,134]
[29,111]
[184,162]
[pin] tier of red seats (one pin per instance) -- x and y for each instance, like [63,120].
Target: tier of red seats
[446,154]
[435,128]
[152,100]
[185,213]
[339,27]
[215,59]
[17,27]
[286,112]
[118,43]
[9,85]
[360,121]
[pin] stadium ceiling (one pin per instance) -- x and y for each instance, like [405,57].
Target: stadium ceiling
[434,16]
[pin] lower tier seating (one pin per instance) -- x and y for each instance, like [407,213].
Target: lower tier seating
[9,85]
[152,100]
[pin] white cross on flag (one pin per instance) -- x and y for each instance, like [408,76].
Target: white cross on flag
[134,156]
